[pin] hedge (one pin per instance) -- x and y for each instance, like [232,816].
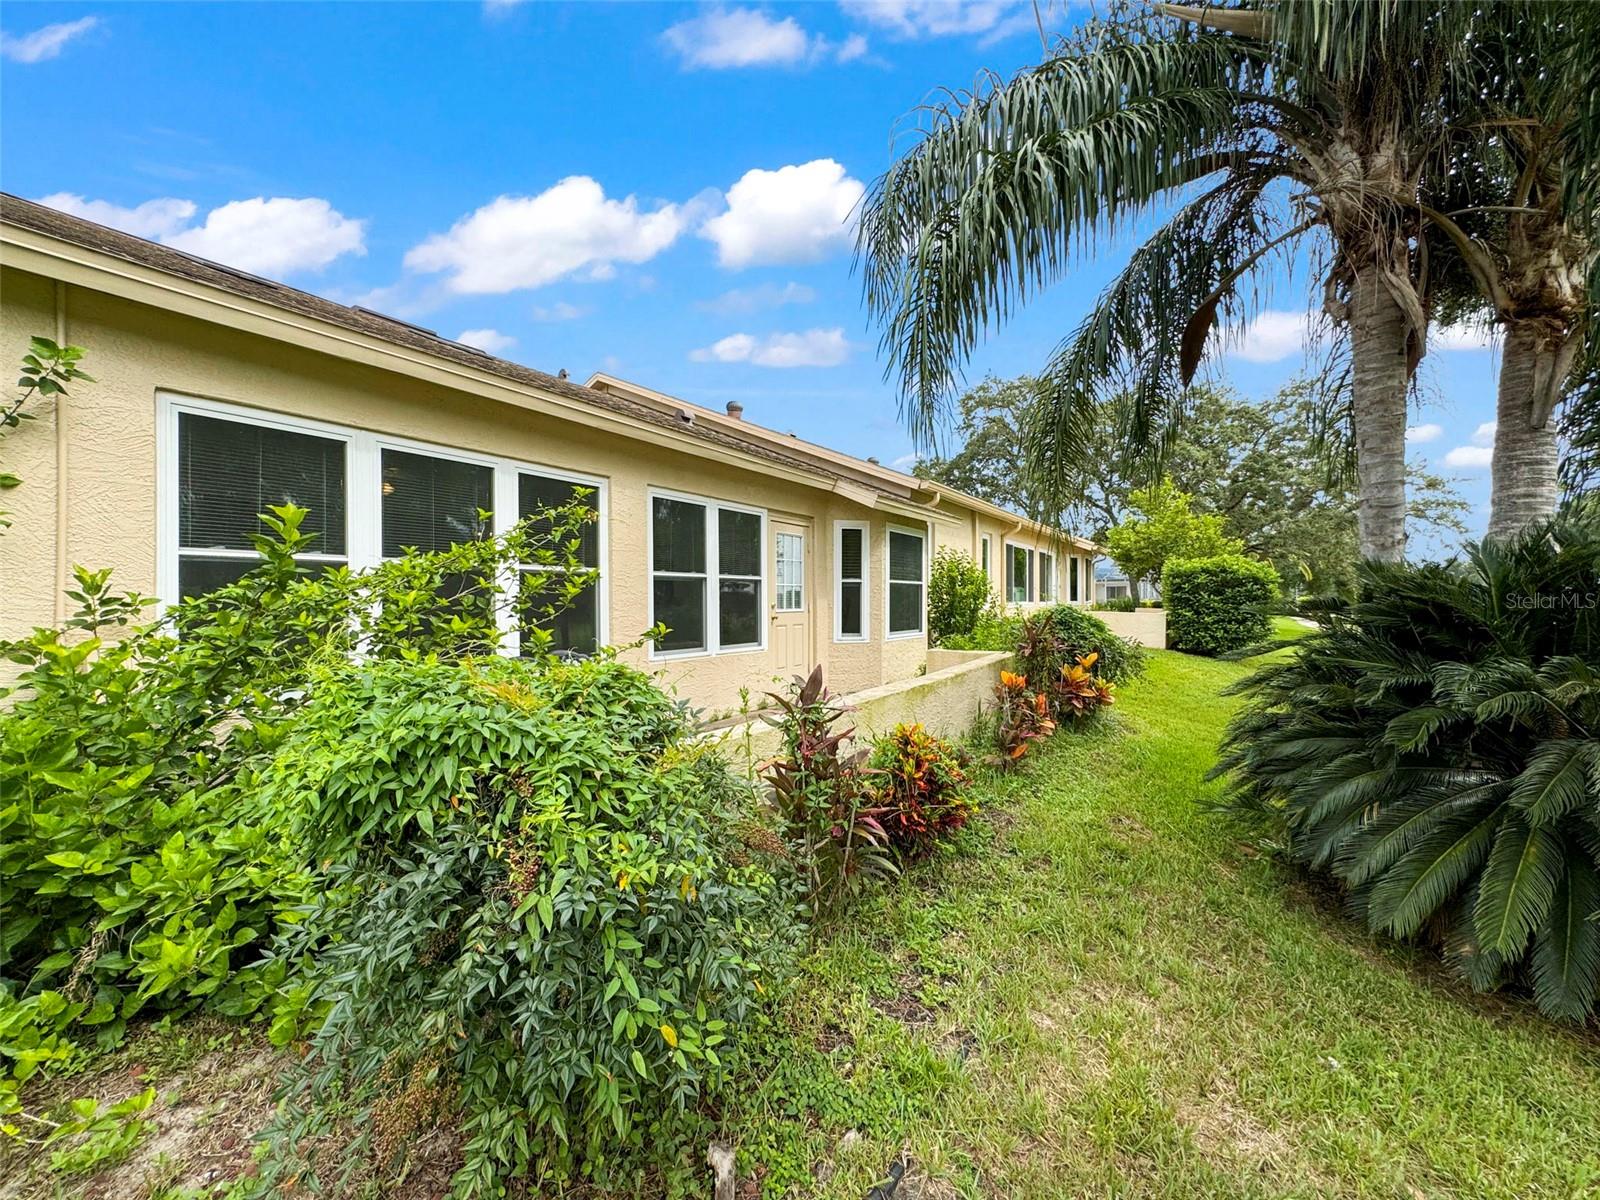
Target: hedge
[1215,605]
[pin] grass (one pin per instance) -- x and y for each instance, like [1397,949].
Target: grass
[1107,994]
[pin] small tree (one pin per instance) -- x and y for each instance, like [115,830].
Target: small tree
[958,595]
[1164,526]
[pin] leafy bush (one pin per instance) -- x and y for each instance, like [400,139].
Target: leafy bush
[1216,605]
[1059,637]
[1436,747]
[1021,716]
[922,788]
[535,922]
[823,794]
[958,595]
[138,865]
[993,631]
[1116,604]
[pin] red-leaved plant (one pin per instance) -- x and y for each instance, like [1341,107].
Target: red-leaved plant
[1079,692]
[823,793]
[922,789]
[1022,717]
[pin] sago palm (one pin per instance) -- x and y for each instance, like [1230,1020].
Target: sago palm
[1262,127]
[1436,747]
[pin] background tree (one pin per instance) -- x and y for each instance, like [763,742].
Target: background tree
[1162,525]
[989,445]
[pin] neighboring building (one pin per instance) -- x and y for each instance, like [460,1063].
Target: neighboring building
[218,393]
[1110,586]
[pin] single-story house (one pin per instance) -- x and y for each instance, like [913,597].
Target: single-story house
[217,393]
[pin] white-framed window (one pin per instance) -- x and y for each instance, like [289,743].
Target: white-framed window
[851,550]
[789,568]
[368,497]
[1019,574]
[906,580]
[577,626]
[1047,576]
[985,548]
[707,575]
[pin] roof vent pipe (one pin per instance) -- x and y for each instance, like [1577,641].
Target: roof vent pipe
[736,410]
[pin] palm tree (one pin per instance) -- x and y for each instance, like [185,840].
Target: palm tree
[1526,177]
[1264,127]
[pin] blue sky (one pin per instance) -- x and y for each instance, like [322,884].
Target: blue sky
[654,190]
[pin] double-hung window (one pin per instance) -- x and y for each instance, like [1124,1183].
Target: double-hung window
[229,472]
[1019,574]
[850,582]
[1047,576]
[907,580]
[368,498]
[707,565]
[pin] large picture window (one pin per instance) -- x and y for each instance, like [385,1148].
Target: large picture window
[707,575]
[907,575]
[229,472]
[368,498]
[850,582]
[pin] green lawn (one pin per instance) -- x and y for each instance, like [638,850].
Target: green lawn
[1104,993]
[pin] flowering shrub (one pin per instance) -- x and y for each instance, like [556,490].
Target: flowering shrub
[824,796]
[1078,692]
[922,788]
[1022,716]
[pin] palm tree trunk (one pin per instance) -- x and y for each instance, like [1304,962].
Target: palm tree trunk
[1524,488]
[1380,375]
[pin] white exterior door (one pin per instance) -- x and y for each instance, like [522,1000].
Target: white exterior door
[792,604]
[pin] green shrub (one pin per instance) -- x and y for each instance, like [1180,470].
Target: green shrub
[922,788]
[138,866]
[993,631]
[1117,604]
[535,918]
[1436,748]
[1216,605]
[1058,637]
[958,595]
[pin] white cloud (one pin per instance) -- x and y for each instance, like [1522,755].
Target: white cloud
[1483,435]
[813,348]
[275,236]
[1470,456]
[153,219]
[570,229]
[989,19]
[491,341]
[46,43]
[1464,336]
[1418,434]
[1272,337]
[723,38]
[794,214]
[559,311]
[740,301]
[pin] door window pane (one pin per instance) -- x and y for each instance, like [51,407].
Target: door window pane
[433,503]
[790,568]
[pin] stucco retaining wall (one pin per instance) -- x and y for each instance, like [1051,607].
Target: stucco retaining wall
[1147,626]
[947,701]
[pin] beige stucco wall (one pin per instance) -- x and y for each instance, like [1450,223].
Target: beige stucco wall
[135,350]
[1147,626]
[966,530]
[947,701]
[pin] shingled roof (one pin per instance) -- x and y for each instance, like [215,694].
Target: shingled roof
[25,214]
